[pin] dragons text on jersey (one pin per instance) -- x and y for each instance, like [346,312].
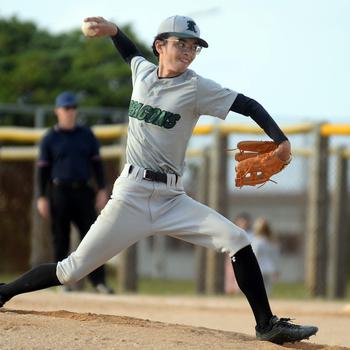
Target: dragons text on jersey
[152,115]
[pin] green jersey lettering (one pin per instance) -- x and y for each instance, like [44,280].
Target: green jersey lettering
[145,112]
[152,115]
[134,108]
[152,118]
[170,120]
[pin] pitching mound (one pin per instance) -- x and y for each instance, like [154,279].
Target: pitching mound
[76,329]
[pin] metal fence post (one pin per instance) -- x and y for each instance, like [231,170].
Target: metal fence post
[41,246]
[317,217]
[337,273]
[202,196]
[218,198]
[127,268]
[39,117]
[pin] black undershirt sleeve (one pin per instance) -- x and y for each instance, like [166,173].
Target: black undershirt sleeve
[43,177]
[125,46]
[99,173]
[249,107]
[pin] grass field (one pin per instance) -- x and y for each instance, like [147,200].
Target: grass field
[150,286]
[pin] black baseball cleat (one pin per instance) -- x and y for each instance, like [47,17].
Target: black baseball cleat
[280,331]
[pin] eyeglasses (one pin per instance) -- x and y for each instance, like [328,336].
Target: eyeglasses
[182,46]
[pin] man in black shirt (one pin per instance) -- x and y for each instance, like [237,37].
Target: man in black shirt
[68,153]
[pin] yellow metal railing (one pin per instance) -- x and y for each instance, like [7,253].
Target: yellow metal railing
[335,129]
[112,132]
[33,135]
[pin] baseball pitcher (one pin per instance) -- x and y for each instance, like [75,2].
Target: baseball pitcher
[148,197]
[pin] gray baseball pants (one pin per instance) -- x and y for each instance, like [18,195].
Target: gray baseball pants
[139,208]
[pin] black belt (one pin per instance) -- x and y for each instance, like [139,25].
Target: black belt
[151,175]
[70,184]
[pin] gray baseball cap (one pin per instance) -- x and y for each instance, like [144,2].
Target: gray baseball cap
[182,27]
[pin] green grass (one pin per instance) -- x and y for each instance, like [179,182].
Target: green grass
[296,291]
[159,286]
[289,291]
[156,286]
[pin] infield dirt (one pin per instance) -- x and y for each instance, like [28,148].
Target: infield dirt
[54,320]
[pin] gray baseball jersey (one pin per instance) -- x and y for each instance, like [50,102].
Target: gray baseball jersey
[164,112]
[162,115]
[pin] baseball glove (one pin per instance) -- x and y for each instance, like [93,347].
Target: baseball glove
[257,162]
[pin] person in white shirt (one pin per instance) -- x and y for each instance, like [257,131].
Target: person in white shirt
[266,251]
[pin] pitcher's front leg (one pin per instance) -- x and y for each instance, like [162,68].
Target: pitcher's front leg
[119,225]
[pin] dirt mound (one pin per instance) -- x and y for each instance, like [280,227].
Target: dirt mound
[111,327]
[64,329]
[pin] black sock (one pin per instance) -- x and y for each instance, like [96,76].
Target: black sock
[251,283]
[40,277]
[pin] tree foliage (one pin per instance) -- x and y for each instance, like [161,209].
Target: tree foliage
[36,65]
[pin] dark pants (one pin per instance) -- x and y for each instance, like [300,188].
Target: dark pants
[72,204]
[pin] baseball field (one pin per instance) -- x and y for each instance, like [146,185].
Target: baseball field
[57,320]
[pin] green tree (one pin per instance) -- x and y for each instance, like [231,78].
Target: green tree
[36,65]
